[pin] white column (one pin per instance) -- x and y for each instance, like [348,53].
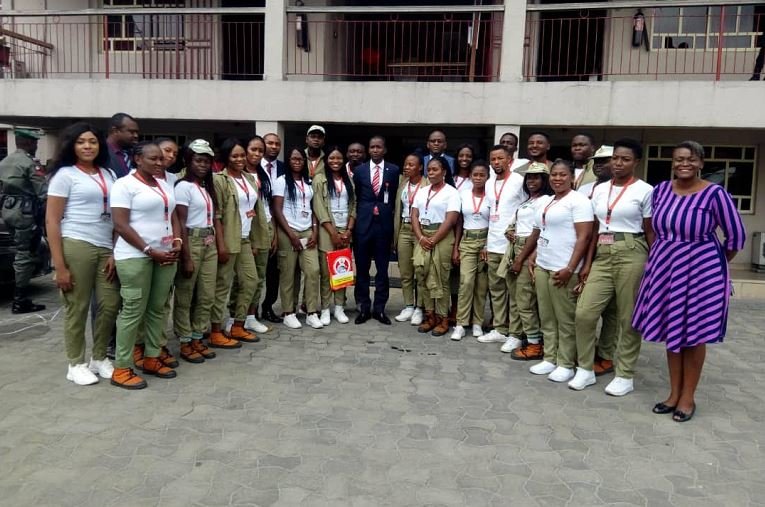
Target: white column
[275,35]
[499,130]
[513,36]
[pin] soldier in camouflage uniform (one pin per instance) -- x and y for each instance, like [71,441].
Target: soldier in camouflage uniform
[24,189]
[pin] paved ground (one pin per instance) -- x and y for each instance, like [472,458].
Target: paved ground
[373,415]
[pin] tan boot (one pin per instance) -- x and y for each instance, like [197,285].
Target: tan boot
[167,358]
[199,346]
[220,341]
[153,366]
[138,356]
[238,332]
[441,327]
[127,379]
[190,355]
[428,323]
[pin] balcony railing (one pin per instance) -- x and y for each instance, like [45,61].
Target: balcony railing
[675,43]
[148,46]
[407,46]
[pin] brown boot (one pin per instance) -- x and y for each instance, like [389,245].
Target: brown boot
[220,341]
[189,354]
[442,326]
[167,358]
[127,379]
[238,332]
[153,366]
[602,366]
[138,356]
[199,346]
[428,323]
[528,352]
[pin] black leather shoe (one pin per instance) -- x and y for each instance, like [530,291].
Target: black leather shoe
[270,316]
[25,306]
[381,318]
[362,317]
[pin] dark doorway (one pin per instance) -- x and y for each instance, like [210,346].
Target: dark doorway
[242,42]
[570,44]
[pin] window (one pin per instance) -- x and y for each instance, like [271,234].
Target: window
[131,32]
[699,27]
[733,167]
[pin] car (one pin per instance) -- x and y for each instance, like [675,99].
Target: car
[8,253]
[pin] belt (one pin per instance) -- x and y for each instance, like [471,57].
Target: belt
[621,236]
[200,232]
[430,227]
[521,240]
[475,233]
[407,220]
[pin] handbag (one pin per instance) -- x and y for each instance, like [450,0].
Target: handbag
[340,268]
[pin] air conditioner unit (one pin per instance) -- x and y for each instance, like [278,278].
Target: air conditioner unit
[758,252]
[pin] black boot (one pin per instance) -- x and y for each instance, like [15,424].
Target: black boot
[755,77]
[269,315]
[22,303]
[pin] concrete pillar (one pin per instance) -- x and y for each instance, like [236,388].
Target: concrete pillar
[267,127]
[275,36]
[513,37]
[502,129]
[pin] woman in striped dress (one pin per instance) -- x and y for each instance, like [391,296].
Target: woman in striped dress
[683,298]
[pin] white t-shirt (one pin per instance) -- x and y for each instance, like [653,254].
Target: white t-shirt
[338,204]
[84,217]
[442,201]
[557,237]
[258,185]
[629,212]
[298,213]
[199,203]
[409,191]
[511,195]
[170,178]
[472,220]
[147,214]
[248,196]
[526,217]
[587,189]
[463,184]
[518,162]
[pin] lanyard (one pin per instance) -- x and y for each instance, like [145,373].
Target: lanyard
[160,192]
[301,184]
[430,197]
[612,205]
[338,191]
[208,203]
[314,164]
[461,182]
[498,195]
[477,209]
[544,212]
[244,186]
[102,185]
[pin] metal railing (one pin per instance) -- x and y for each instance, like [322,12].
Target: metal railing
[399,47]
[132,44]
[689,42]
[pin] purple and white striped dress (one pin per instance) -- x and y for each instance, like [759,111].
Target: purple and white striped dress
[683,298]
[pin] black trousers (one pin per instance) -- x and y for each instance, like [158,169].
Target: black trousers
[272,282]
[375,245]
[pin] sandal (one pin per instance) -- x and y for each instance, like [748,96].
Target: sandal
[680,416]
[662,408]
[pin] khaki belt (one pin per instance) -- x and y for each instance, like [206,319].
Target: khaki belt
[200,232]
[430,227]
[475,233]
[621,236]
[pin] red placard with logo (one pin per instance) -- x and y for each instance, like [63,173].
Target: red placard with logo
[340,267]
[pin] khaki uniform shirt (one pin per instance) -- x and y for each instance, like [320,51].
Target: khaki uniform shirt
[228,213]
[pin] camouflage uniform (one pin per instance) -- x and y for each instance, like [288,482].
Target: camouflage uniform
[24,188]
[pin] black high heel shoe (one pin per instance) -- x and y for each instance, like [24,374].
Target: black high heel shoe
[680,416]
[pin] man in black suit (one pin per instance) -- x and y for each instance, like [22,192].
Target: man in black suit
[122,136]
[376,190]
[274,168]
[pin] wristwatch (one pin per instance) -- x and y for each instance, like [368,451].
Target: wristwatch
[147,249]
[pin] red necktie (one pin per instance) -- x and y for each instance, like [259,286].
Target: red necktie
[376,180]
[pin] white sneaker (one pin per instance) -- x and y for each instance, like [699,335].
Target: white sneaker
[543,368]
[458,333]
[511,344]
[620,386]
[340,315]
[477,331]
[314,321]
[81,375]
[492,336]
[252,324]
[292,322]
[582,379]
[227,327]
[416,317]
[103,368]
[325,317]
[405,314]
[561,374]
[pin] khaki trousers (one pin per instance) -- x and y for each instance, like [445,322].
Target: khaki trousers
[289,276]
[261,264]
[86,263]
[498,292]
[557,310]
[328,296]
[474,280]
[197,290]
[524,314]
[616,273]
[609,331]
[243,264]
[405,251]
[442,304]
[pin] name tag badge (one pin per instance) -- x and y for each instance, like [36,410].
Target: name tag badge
[424,221]
[166,241]
[606,239]
[543,242]
[339,214]
[106,217]
[250,213]
[209,240]
[494,218]
[304,214]
[477,216]
[385,197]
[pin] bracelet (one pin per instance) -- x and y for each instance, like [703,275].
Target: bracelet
[147,249]
[178,239]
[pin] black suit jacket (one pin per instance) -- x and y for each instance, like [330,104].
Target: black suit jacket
[367,200]
[280,168]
